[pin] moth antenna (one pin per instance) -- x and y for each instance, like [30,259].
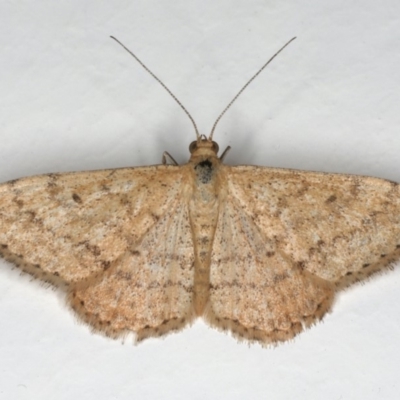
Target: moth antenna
[161,83]
[245,86]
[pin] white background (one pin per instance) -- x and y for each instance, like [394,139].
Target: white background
[72,99]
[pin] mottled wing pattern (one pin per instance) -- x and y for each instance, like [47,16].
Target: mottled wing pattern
[67,227]
[118,239]
[287,240]
[338,227]
[149,289]
[256,291]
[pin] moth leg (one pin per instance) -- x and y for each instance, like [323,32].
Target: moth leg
[225,152]
[171,159]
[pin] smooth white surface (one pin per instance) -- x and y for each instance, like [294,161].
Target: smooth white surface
[72,99]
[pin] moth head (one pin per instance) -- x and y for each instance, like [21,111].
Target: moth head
[202,147]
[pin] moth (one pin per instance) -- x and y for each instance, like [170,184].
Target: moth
[259,252]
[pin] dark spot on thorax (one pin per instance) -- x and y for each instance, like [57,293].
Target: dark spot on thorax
[204,171]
